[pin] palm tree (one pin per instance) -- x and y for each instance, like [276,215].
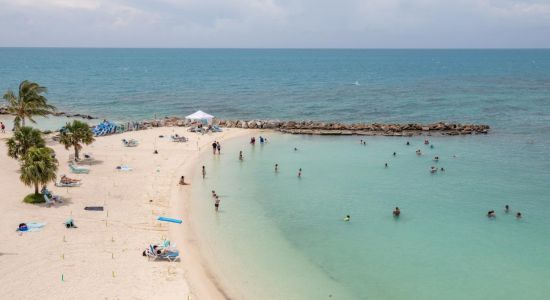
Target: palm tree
[30,102]
[38,167]
[75,133]
[23,139]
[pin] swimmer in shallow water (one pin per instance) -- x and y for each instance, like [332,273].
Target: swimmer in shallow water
[506,208]
[491,214]
[518,215]
[240,155]
[347,218]
[276,167]
[394,154]
[295,149]
[300,173]
[418,152]
[385,165]
[396,212]
[408,144]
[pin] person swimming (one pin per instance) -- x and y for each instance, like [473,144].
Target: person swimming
[491,214]
[426,142]
[276,167]
[442,169]
[394,154]
[347,218]
[436,158]
[300,172]
[385,165]
[506,208]
[408,143]
[518,215]
[396,212]
[418,152]
[433,169]
[431,146]
[295,149]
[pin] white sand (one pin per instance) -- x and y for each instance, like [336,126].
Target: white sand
[102,258]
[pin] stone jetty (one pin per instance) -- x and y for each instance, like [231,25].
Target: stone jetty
[335,128]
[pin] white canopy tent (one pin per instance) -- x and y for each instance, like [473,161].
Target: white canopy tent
[201,116]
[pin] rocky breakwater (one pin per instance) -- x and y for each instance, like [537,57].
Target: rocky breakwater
[331,128]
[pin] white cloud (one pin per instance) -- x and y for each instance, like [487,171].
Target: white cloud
[275,23]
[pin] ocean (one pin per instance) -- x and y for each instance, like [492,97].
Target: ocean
[278,236]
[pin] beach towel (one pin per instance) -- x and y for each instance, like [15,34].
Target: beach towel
[94,208]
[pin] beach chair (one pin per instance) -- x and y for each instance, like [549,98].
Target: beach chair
[78,169]
[49,201]
[178,139]
[72,184]
[171,254]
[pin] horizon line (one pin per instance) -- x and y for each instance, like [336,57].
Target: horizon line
[278,48]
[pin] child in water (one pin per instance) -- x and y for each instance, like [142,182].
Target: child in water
[347,218]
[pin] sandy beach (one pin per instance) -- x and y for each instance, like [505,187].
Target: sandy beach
[102,258]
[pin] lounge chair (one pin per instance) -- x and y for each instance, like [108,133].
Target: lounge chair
[156,252]
[78,170]
[49,201]
[72,184]
[130,143]
[178,139]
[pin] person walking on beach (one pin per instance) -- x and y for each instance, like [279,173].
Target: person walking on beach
[3,127]
[300,173]
[276,168]
[214,147]
[219,148]
[203,172]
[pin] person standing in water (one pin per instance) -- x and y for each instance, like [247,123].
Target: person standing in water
[241,155]
[300,173]
[203,172]
[347,218]
[276,168]
[385,165]
[518,215]
[219,148]
[506,208]
[396,212]
[214,147]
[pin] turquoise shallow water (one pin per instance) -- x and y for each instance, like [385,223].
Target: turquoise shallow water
[281,237]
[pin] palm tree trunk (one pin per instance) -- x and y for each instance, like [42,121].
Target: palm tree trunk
[76,153]
[36,188]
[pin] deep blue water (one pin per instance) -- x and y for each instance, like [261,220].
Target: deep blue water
[508,89]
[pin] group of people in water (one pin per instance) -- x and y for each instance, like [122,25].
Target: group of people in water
[216,147]
[492,214]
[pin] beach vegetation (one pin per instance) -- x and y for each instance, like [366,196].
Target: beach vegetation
[34,199]
[29,102]
[24,138]
[38,167]
[75,134]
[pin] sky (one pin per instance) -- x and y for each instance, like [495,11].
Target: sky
[276,23]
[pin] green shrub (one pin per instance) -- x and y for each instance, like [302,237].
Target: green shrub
[34,198]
